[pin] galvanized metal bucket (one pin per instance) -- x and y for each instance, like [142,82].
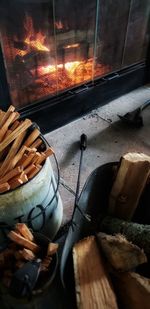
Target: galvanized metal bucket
[36,203]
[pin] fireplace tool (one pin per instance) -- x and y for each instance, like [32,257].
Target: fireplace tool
[74,228]
[134,118]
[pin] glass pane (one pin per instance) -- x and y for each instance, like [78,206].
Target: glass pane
[111,33]
[27,37]
[75,33]
[137,32]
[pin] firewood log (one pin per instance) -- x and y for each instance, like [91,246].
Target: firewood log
[15,183]
[24,231]
[129,184]
[92,282]
[16,171]
[133,290]
[120,253]
[27,254]
[37,143]
[10,110]
[7,163]
[14,125]
[138,234]
[52,248]
[34,171]
[32,137]
[21,128]
[4,187]
[6,124]
[20,240]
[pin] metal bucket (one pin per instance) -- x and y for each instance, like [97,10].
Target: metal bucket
[36,203]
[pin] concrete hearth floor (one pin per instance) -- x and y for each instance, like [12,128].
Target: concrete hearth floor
[108,139]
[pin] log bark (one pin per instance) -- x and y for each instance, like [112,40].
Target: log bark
[138,234]
[93,286]
[133,290]
[129,184]
[120,253]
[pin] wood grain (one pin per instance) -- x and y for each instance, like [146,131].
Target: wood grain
[93,287]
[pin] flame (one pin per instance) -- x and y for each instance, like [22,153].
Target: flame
[70,67]
[33,39]
[72,46]
[58,25]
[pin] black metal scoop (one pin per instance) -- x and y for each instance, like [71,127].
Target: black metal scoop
[25,279]
[134,118]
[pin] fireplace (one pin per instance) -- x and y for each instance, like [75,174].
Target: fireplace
[57,52]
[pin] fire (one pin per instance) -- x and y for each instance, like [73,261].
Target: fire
[69,67]
[58,25]
[51,78]
[72,46]
[33,39]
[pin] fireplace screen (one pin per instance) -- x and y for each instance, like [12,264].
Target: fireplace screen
[53,46]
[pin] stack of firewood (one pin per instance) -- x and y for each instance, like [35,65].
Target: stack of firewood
[106,265]
[22,152]
[22,249]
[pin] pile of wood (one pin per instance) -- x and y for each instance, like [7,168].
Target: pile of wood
[105,265]
[22,152]
[22,249]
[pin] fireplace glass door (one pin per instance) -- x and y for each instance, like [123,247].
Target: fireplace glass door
[53,46]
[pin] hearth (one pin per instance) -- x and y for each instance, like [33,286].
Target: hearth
[66,57]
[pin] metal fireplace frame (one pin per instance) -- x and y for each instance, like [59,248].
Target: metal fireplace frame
[57,111]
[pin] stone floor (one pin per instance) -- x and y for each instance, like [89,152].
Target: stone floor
[108,138]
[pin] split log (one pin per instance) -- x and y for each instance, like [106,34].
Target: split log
[21,128]
[37,143]
[138,234]
[32,137]
[34,171]
[133,290]
[6,166]
[16,171]
[15,183]
[24,231]
[93,286]
[6,115]
[120,253]
[4,187]
[29,169]
[52,248]
[14,125]
[20,240]
[27,254]
[129,184]
[6,124]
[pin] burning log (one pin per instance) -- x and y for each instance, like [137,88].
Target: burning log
[138,234]
[129,184]
[120,253]
[93,286]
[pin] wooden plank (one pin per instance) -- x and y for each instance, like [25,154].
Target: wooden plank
[129,184]
[93,287]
